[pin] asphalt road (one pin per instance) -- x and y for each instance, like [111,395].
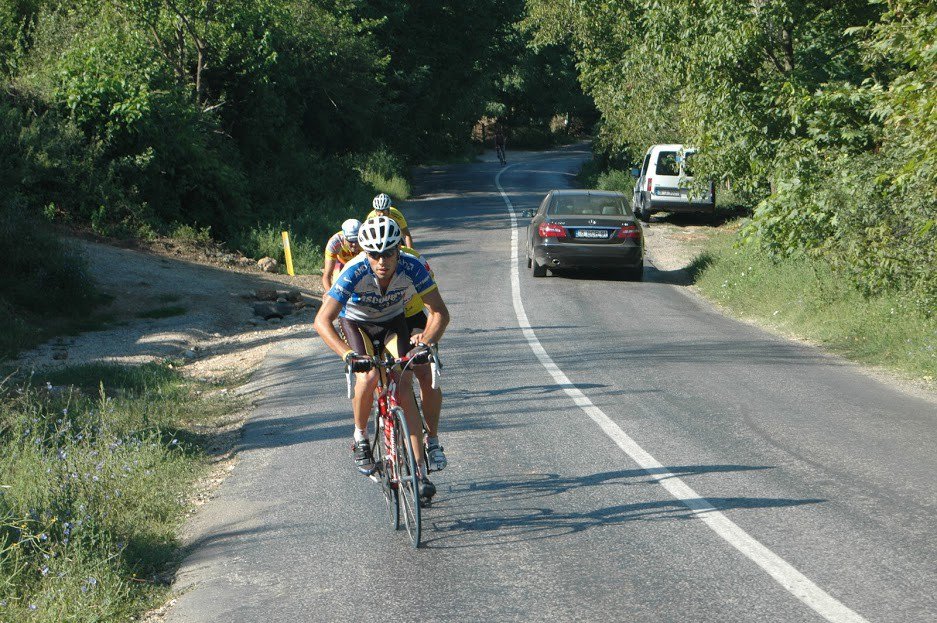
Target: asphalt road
[632,456]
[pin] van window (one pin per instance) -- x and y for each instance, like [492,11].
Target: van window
[667,163]
[647,159]
[688,164]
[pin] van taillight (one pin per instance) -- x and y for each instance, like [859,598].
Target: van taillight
[649,180]
[551,230]
[629,231]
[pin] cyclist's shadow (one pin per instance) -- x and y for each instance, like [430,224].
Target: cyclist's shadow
[507,510]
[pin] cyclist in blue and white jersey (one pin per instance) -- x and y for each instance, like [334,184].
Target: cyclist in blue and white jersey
[368,300]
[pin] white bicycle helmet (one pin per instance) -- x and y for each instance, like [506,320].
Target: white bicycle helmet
[381,202]
[350,229]
[379,234]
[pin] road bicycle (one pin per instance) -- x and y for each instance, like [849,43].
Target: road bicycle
[395,462]
[501,157]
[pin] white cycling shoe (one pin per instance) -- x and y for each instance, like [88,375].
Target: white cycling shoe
[435,457]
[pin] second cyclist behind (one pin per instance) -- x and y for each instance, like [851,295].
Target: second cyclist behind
[430,397]
[382,207]
[341,248]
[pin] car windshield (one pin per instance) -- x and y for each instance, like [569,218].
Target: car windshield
[667,163]
[589,205]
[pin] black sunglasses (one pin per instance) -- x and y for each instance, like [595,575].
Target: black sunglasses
[376,255]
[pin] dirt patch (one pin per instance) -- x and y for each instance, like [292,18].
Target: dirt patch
[169,305]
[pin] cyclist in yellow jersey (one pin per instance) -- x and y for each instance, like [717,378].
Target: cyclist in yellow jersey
[341,247]
[431,398]
[382,207]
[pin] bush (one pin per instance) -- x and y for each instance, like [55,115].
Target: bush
[41,279]
[528,137]
[619,181]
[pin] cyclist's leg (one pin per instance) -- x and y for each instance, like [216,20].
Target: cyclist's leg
[431,398]
[359,341]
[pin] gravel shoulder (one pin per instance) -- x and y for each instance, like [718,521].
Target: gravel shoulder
[174,305]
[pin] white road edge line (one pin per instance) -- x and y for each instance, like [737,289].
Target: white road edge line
[783,572]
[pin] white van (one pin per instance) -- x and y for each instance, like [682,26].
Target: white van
[663,183]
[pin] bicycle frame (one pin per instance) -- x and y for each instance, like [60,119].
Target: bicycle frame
[397,470]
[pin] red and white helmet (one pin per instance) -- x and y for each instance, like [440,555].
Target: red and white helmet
[381,202]
[379,234]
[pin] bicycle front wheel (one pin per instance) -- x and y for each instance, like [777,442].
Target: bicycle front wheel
[385,476]
[408,482]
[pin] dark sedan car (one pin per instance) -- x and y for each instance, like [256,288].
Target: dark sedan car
[585,229]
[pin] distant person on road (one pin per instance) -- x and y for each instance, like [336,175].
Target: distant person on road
[341,248]
[499,146]
[382,207]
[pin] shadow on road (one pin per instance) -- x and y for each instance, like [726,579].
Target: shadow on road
[492,512]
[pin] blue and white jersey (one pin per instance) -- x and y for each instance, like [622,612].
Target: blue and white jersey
[356,288]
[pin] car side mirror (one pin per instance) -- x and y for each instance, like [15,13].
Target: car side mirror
[635,173]
[528,213]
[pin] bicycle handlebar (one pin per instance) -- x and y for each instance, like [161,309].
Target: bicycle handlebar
[364,363]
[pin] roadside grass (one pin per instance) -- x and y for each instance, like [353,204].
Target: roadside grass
[96,463]
[162,312]
[394,185]
[807,298]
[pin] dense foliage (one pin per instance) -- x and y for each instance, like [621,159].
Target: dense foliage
[820,112]
[239,118]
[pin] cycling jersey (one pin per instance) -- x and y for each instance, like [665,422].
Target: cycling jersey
[338,249]
[415,304]
[395,214]
[360,294]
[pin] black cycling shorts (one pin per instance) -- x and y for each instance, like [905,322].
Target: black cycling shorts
[416,323]
[361,336]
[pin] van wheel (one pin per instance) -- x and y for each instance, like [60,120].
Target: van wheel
[642,214]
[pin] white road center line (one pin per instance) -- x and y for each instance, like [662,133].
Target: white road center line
[783,572]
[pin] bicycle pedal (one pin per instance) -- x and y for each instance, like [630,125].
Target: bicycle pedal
[374,477]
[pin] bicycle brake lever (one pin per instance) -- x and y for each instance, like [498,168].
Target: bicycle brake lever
[434,369]
[348,376]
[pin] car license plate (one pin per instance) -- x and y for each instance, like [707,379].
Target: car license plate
[591,233]
[668,192]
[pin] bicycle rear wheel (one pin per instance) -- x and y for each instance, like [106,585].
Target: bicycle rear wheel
[408,483]
[385,477]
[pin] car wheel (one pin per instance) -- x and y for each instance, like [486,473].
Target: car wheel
[528,261]
[635,273]
[536,269]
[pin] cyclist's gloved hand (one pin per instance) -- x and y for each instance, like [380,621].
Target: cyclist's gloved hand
[421,353]
[357,363]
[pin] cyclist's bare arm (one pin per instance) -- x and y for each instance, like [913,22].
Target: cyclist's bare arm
[437,318]
[327,269]
[327,315]
[407,238]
